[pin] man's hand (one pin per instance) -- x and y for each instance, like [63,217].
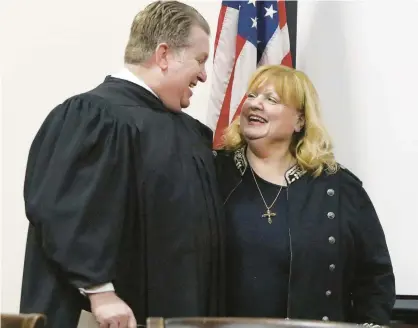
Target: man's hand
[110,311]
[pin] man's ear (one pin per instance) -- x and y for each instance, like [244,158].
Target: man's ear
[300,123]
[161,56]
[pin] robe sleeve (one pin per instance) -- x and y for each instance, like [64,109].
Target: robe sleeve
[75,190]
[373,290]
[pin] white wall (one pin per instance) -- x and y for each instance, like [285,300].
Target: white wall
[362,66]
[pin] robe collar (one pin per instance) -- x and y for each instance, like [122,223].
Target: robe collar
[126,74]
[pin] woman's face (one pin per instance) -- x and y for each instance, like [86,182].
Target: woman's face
[264,116]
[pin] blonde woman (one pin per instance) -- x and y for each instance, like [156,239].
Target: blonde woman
[303,238]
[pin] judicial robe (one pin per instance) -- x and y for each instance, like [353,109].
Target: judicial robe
[120,189]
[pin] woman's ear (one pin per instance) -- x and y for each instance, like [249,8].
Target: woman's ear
[300,123]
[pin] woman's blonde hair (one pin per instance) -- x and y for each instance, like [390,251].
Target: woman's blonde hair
[312,147]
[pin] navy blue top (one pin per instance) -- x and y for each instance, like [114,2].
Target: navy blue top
[258,253]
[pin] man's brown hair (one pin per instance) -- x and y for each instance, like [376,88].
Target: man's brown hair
[161,21]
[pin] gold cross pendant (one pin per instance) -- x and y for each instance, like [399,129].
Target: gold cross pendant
[269,214]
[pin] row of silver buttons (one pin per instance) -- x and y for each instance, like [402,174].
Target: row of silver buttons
[331,240]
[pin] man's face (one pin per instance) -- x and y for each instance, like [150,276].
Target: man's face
[184,69]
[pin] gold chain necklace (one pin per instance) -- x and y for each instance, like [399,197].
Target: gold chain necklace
[268,213]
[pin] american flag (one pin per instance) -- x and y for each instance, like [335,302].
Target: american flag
[249,34]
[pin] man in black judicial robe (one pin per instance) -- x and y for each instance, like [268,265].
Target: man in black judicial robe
[121,192]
